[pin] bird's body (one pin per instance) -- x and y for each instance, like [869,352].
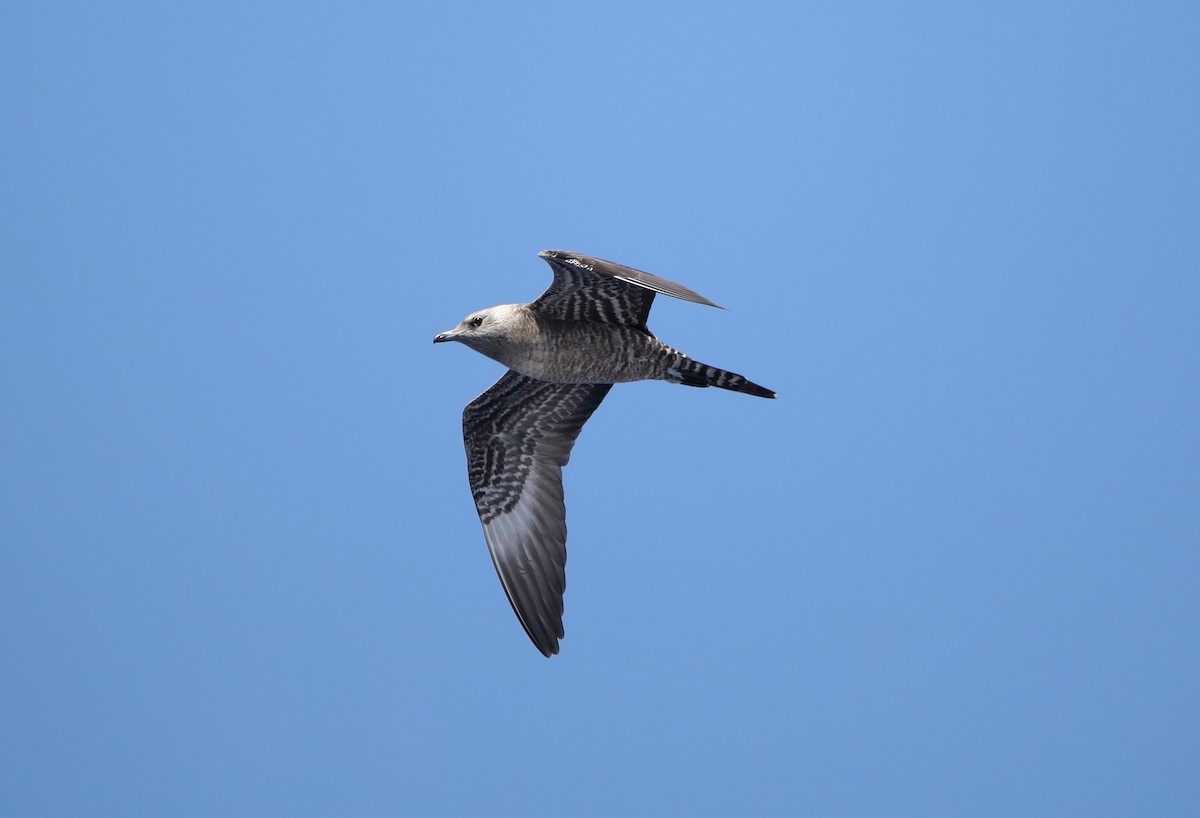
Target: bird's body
[564,352]
[534,345]
[617,354]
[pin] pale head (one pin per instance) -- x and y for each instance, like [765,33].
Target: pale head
[497,332]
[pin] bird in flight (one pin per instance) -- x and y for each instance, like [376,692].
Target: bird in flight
[563,351]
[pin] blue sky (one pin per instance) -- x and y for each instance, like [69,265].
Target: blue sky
[953,570]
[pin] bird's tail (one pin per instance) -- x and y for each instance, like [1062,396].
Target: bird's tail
[693,373]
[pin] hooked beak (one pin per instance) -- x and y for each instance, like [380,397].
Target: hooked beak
[448,335]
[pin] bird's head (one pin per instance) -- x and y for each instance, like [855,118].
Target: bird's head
[495,332]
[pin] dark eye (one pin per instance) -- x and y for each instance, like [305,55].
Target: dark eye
[477,320]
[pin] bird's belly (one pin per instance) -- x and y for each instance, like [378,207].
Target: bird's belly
[596,357]
[559,372]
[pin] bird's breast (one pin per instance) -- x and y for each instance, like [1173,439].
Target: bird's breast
[585,352]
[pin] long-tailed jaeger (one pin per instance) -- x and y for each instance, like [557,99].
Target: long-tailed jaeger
[563,351]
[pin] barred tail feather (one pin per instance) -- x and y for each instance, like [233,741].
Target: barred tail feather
[693,373]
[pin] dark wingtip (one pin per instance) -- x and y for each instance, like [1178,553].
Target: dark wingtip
[630,275]
[547,646]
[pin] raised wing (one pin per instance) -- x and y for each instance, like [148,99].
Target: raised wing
[592,289]
[519,435]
